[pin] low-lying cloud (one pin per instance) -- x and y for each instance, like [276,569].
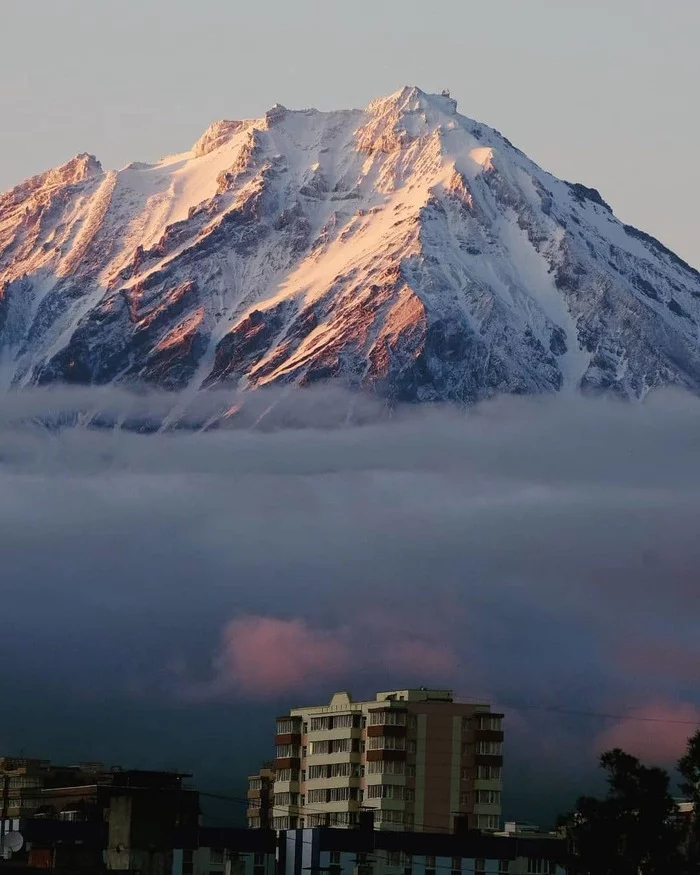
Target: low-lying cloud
[541,553]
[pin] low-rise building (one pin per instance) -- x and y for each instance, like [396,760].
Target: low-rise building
[260,793]
[354,852]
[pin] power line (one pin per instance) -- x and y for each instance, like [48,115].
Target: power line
[550,709]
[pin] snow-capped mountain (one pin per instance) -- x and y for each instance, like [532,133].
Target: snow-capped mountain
[404,249]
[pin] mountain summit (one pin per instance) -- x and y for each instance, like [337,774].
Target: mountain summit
[404,249]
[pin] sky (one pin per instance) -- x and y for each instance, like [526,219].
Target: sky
[542,556]
[165,596]
[601,92]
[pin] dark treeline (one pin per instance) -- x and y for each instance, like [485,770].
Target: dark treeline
[637,829]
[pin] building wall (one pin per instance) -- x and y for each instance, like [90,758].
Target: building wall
[304,853]
[222,861]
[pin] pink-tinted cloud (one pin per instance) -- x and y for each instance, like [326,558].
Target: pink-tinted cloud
[421,658]
[262,656]
[417,648]
[656,731]
[660,659]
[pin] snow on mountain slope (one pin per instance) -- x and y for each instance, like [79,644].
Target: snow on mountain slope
[403,249]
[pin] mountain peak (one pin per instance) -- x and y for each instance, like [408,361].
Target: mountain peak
[411,99]
[404,250]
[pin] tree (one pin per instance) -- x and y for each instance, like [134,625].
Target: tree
[689,768]
[632,831]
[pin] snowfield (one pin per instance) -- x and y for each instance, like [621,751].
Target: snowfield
[405,250]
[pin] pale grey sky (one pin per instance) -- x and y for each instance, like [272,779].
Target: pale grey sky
[602,92]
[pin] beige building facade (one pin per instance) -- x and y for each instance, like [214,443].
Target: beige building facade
[416,758]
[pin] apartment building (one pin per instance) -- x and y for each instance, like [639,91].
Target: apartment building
[416,759]
[260,794]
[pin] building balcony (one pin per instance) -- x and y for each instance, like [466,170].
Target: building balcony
[374,756]
[287,763]
[320,759]
[325,734]
[387,804]
[385,778]
[488,735]
[487,809]
[288,738]
[331,807]
[345,781]
[482,784]
[387,730]
[286,787]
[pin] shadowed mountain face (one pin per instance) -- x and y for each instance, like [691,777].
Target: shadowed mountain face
[404,249]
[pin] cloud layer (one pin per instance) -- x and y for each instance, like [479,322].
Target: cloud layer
[541,553]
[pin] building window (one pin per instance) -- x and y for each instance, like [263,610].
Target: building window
[335,858]
[465,799]
[216,857]
[287,750]
[339,721]
[488,821]
[281,823]
[286,799]
[537,866]
[387,742]
[390,791]
[253,823]
[332,745]
[389,817]
[490,748]
[393,859]
[387,718]
[489,721]
[342,818]
[488,797]
[286,775]
[489,773]
[479,866]
[286,727]
[255,784]
[456,864]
